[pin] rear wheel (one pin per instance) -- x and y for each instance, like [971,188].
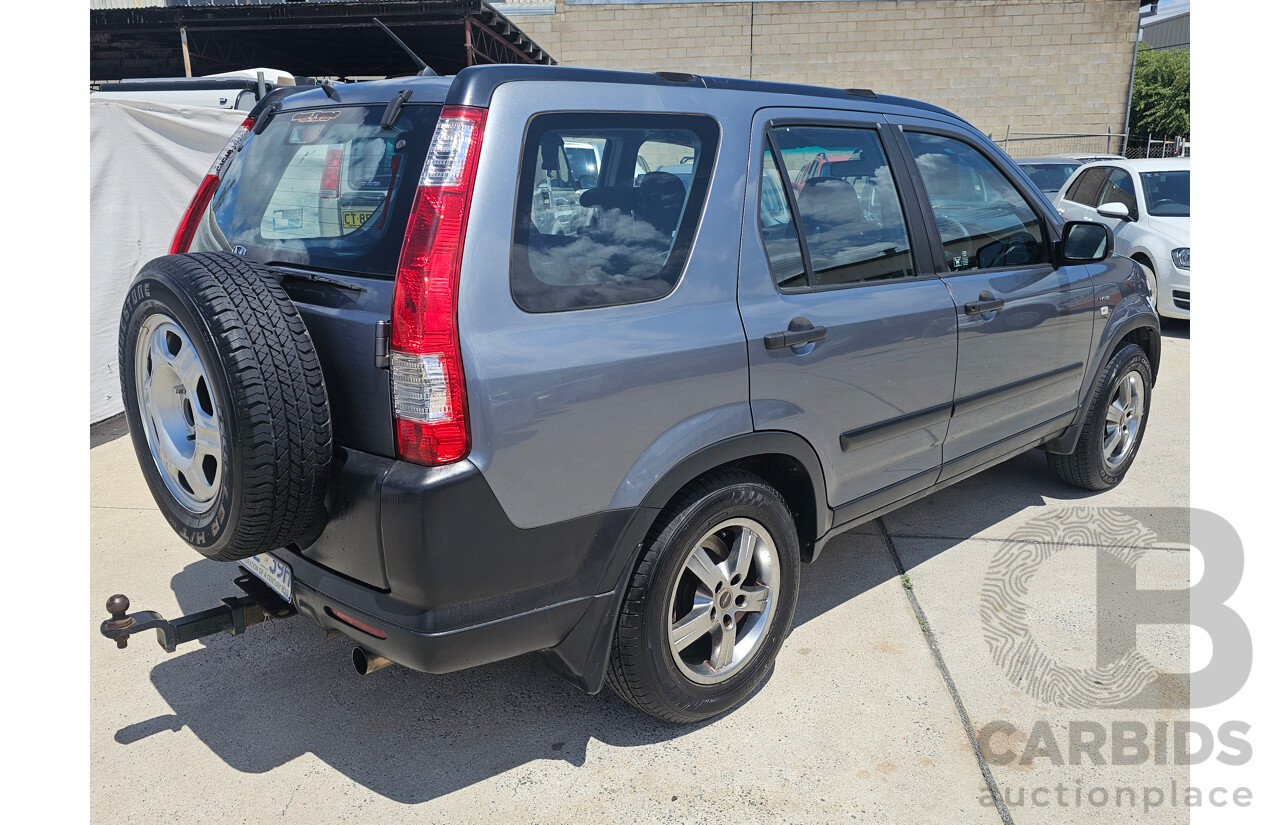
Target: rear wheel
[710,602]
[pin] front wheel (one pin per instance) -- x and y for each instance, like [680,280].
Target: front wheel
[1153,285]
[1115,424]
[710,602]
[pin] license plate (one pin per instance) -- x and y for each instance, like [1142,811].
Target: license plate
[355,220]
[273,572]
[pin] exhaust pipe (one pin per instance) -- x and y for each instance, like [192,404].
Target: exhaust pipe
[367,662]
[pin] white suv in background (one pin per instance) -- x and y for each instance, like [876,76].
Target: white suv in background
[1147,203]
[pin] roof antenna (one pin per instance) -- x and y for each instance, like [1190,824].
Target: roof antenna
[423,69]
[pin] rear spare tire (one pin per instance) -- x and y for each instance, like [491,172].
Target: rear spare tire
[225,403]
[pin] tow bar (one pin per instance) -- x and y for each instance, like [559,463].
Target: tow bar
[234,615]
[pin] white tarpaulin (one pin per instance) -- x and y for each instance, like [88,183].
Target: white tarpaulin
[146,160]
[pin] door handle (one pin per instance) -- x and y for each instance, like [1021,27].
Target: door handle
[986,303]
[799,332]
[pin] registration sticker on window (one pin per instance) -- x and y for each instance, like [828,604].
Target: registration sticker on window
[286,219]
[355,219]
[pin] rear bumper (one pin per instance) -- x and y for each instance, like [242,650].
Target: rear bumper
[428,557]
[318,592]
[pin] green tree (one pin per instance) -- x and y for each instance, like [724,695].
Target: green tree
[1161,93]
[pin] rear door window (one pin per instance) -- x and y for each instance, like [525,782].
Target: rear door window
[622,234]
[326,189]
[848,207]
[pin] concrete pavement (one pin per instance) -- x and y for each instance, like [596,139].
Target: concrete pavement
[860,720]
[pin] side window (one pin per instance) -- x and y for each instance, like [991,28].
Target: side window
[983,220]
[1085,189]
[1118,188]
[848,207]
[606,207]
[778,229]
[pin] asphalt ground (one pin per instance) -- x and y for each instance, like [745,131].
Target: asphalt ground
[890,701]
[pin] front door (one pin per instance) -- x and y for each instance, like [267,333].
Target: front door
[850,343]
[1025,328]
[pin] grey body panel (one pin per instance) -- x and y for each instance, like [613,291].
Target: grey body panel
[889,354]
[1024,364]
[581,411]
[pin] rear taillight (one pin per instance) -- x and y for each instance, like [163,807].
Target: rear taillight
[427,390]
[331,177]
[208,186]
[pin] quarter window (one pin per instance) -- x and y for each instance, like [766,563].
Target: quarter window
[778,229]
[607,207]
[983,220]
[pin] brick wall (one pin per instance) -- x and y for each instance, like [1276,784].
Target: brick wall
[1030,65]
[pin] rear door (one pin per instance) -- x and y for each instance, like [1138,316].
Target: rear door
[1025,328]
[851,344]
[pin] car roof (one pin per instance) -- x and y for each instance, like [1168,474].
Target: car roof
[1091,155]
[1048,159]
[475,85]
[1146,164]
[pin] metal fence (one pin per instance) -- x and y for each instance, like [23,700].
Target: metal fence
[1035,144]
[1038,144]
[1159,147]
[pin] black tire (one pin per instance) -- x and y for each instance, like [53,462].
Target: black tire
[267,397]
[1085,467]
[642,668]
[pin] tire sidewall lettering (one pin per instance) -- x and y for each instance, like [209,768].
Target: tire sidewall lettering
[151,295]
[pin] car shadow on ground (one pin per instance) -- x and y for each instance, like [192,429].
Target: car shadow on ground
[284,689]
[1175,328]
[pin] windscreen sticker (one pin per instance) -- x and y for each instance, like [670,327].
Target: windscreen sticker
[314,117]
[286,219]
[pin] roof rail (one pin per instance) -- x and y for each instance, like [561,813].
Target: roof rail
[474,85]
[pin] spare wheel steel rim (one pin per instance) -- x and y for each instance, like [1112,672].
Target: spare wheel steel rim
[723,601]
[179,418]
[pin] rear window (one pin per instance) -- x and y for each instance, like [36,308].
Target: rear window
[326,189]
[613,231]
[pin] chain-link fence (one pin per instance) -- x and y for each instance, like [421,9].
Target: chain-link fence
[1041,144]
[1159,147]
[1038,144]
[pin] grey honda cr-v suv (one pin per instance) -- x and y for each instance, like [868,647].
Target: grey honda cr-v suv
[459,403]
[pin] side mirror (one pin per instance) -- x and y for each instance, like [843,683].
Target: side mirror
[588,182]
[1115,209]
[1084,242]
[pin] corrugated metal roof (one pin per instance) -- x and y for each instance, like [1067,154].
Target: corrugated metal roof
[1169,33]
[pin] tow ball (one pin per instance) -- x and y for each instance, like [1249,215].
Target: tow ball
[236,613]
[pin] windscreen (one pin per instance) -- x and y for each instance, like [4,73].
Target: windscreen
[1168,194]
[326,189]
